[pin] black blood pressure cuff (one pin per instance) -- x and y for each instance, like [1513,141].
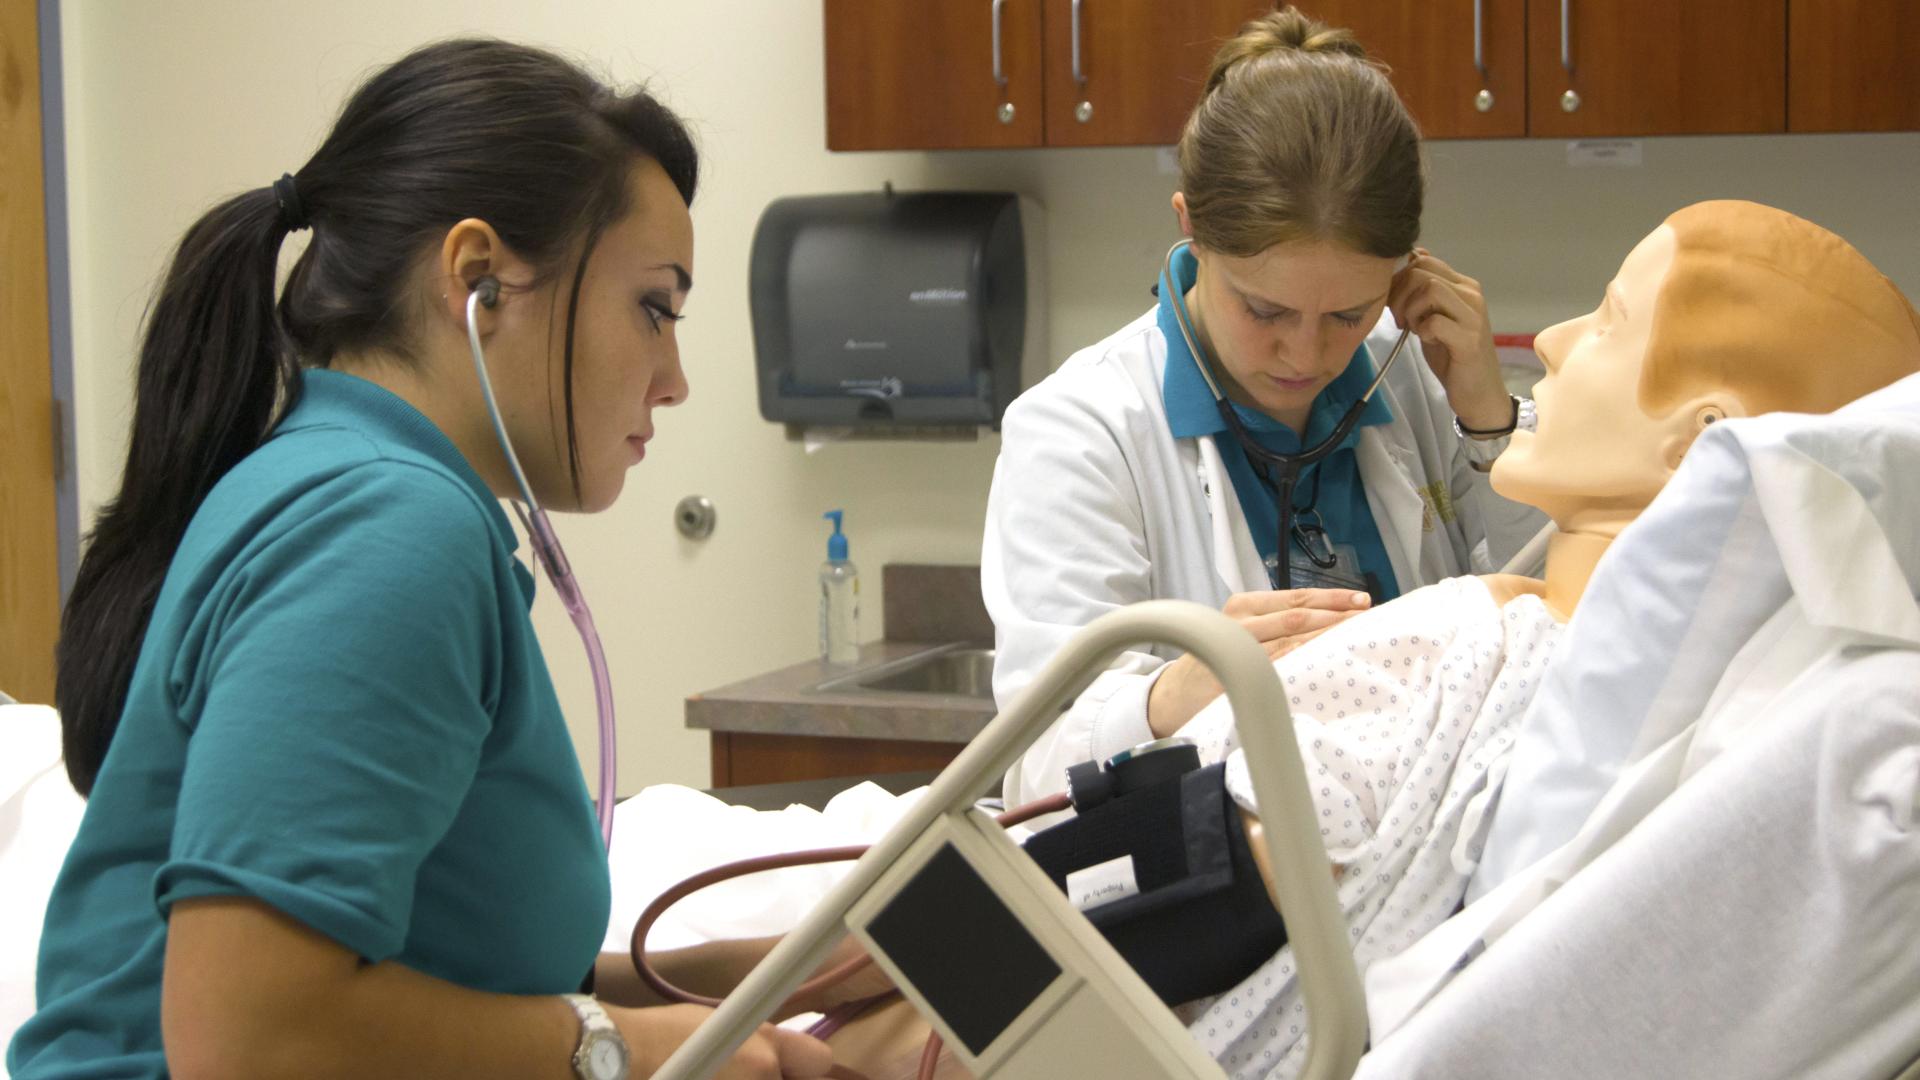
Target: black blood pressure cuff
[1191,913]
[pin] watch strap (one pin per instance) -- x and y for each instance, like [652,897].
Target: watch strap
[1482,451]
[595,1026]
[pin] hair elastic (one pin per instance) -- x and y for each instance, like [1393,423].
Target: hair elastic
[292,213]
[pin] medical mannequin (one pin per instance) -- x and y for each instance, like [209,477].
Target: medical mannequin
[1727,310]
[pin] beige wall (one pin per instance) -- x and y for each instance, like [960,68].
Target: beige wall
[172,105]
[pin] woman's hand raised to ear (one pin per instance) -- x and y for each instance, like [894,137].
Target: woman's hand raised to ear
[1448,313]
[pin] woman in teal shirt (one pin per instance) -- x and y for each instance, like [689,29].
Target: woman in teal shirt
[336,822]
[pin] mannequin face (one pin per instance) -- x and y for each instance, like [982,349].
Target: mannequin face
[1598,459]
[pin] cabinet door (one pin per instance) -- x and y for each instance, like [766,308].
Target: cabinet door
[1851,65]
[742,758]
[1142,64]
[908,75]
[1656,67]
[1431,47]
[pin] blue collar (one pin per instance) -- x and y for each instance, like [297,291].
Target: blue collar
[1191,412]
[337,399]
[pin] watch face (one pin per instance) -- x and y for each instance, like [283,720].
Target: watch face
[607,1060]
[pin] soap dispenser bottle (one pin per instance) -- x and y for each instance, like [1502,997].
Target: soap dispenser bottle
[839,599]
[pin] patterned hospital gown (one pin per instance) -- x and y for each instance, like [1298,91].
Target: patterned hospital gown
[1404,717]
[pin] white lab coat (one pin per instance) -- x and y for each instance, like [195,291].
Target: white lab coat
[1095,505]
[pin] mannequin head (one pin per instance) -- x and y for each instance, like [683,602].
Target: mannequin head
[1727,309]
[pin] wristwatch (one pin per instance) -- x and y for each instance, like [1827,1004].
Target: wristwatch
[1482,451]
[602,1053]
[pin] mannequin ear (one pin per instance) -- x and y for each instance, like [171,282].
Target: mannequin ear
[1708,413]
[1180,212]
[1697,416]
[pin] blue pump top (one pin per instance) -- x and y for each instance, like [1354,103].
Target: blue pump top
[837,543]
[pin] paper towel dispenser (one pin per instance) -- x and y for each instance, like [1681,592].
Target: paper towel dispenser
[895,311]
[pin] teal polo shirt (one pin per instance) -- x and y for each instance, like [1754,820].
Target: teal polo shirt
[339,710]
[1342,502]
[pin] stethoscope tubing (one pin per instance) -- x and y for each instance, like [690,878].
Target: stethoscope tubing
[553,560]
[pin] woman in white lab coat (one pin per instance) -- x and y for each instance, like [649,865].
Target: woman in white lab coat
[1119,479]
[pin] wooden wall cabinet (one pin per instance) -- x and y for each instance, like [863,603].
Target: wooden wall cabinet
[925,74]
[1461,67]
[1655,67]
[928,75]
[741,758]
[1475,69]
[1853,65]
[1471,69]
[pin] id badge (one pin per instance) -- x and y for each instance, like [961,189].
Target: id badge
[1345,573]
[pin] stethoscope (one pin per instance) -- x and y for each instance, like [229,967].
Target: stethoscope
[1266,463]
[552,559]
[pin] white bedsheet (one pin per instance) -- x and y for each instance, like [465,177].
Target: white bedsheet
[39,814]
[667,833]
[1760,510]
[1760,923]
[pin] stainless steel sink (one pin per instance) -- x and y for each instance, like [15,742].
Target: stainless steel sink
[966,670]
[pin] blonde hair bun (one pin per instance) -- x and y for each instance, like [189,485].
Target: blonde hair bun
[1287,30]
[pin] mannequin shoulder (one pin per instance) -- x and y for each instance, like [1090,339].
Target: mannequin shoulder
[1507,587]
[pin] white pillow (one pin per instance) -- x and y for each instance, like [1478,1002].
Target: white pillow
[1679,593]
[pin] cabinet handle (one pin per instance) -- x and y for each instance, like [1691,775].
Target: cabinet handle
[1571,98]
[1079,78]
[1566,36]
[999,73]
[1484,99]
[1479,40]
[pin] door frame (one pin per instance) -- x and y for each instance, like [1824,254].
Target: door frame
[53,141]
[43,522]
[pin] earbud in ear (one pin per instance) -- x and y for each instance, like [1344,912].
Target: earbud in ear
[489,290]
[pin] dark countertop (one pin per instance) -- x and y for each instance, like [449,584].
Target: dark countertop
[784,702]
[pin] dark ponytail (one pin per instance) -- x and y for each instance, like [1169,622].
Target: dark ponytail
[212,366]
[514,136]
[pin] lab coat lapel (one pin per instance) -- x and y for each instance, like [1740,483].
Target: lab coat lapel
[1397,510]
[1234,557]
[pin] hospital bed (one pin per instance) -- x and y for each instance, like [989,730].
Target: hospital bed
[1718,861]
[1756,920]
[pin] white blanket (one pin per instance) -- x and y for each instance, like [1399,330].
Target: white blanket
[1403,716]
[1758,924]
[667,833]
[39,814]
[1831,502]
